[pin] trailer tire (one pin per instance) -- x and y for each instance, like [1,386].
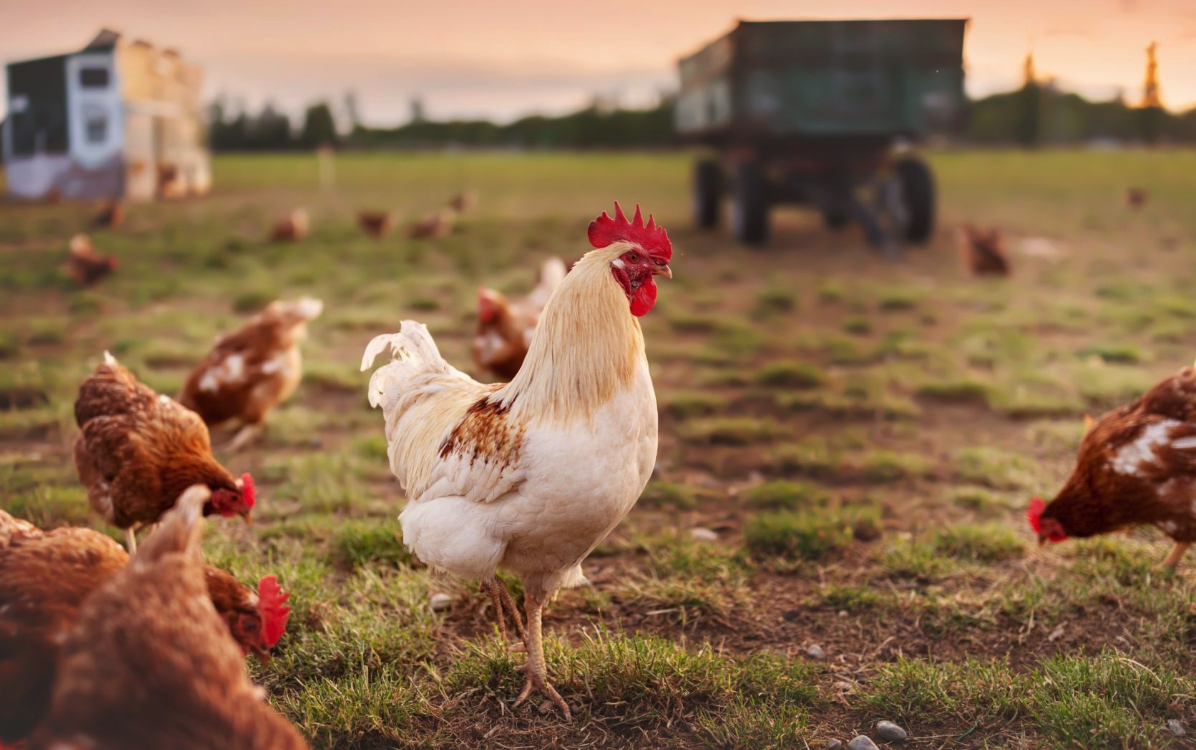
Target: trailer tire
[835,220]
[707,193]
[751,204]
[918,194]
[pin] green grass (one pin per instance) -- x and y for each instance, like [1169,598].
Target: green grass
[860,436]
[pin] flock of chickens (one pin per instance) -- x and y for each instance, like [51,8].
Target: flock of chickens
[100,650]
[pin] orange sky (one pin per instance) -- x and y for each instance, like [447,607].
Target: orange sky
[502,59]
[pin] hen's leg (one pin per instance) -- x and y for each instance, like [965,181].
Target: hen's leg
[130,541]
[247,434]
[503,603]
[535,668]
[1173,559]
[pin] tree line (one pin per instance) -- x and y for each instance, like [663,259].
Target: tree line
[1035,114]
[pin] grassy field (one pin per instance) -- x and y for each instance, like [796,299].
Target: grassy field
[854,440]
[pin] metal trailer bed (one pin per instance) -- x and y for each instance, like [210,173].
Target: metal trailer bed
[813,112]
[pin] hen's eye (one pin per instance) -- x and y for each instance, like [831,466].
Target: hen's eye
[248,624]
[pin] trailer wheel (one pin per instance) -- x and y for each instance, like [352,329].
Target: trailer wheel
[834,219]
[707,193]
[918,194]
[751,204]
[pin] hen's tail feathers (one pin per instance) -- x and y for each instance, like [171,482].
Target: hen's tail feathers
[12,528]
[108,358]
[181,529]
[308,308]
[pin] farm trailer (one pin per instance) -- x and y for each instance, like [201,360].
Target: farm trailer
[817,113]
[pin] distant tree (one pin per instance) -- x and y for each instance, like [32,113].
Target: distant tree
[319,126]
[270,131]
[1027,128]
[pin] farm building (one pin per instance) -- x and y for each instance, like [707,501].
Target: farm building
[118,119]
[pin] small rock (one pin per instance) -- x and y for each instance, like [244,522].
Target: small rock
[1056,634]
[703,535]
[862,743]
[546,708]
[441,602]
[833,744]
[816,652]
[791,615]
[844,686]
[1177,727]
[887,731]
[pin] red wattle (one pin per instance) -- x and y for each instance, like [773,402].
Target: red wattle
[644,299]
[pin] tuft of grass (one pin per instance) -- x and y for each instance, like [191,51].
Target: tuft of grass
[811,457]
[890,466]
[781,494]
[899,299]
[984,543]
[964,390]
[729,431]
[775,301]
[791,375]
[690,404]
[808,535]
[659,494]
[857,325]
[1114,353]
[996,468]
[359,542]
[10,344]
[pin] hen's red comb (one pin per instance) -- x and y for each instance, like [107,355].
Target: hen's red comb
[1034,513]
[275,612]
[247,489]
[652,239]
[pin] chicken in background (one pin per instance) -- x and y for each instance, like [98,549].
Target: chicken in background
[983,251]
[251,370]
[84,264]
[504,330]
[149,664]
[466,200]
[531,476]
[138,451]
[376,224]
[45,576]
[1136,466]
[292,228]
[111,216]
[1135,198]
[433,226]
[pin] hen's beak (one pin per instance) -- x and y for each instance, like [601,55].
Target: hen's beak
[245,516]
[263,655]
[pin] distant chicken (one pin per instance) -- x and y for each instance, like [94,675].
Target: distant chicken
[433,226]
[44,578]
[149,664]
[1135,198]
[111,216]
[138,451]
[292,228]
[376,224]
[504,330]
[85,265]
[251,370]
[464,201]
[984,251]
[531,476]
[1136,465]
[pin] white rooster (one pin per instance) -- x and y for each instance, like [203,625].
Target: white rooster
[531,475]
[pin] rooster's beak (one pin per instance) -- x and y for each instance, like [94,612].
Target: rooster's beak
[664,270]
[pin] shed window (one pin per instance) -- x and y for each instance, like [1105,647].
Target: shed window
[97,129]
[93,78]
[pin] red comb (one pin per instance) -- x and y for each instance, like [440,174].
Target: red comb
[1034,513]
[652,239]
[247,489]
[275,612]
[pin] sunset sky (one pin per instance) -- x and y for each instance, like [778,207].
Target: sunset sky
[504,59]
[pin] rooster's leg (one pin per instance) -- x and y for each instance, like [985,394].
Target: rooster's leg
[247,434]
[491,588]
[130,541]
[1173,559]
[535,668]
[509,604]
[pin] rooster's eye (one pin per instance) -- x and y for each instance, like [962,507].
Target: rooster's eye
[633,257]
